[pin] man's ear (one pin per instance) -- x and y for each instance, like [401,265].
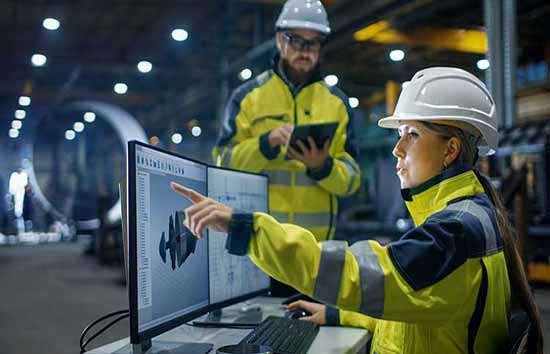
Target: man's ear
[279,41]
[454,146]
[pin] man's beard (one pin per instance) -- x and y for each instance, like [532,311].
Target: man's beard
[297,77]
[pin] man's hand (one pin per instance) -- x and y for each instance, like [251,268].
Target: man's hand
[205,212]
[313,158]
[280,135]
[318,311]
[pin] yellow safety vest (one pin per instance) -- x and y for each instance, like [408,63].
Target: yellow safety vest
[296,195]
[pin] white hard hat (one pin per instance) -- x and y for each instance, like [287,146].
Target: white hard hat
[443,93]
[304,14]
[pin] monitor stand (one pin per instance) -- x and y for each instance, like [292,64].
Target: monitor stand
[165,347]
[233,318]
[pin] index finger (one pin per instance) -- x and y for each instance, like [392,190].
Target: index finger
[190,194]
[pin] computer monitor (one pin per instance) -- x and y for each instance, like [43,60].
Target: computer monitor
[168,269]
[171,278]
[233,277]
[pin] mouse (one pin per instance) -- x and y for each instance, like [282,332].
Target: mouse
[298,313]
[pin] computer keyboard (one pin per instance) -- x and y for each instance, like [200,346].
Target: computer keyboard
[283,335]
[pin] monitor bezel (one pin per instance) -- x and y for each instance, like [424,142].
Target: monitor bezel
[137,337]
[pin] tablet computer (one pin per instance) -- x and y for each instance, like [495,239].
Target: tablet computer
[319,132]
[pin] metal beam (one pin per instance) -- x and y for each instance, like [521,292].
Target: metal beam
[462,40]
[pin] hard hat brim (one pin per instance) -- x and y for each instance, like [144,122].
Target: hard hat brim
[489,140]
[293,24]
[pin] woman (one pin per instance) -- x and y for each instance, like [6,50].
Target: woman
[445,286]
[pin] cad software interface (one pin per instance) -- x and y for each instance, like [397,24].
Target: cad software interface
[232,276]
[172,265]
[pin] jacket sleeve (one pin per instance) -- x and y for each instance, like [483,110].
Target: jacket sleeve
[355,319]
[341,174]
[417,279]
[237,147]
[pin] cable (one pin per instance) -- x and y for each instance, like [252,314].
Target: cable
[83,344]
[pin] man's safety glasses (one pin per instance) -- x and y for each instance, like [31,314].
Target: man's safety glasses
[301,44]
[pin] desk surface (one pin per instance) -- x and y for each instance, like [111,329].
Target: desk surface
[330,340]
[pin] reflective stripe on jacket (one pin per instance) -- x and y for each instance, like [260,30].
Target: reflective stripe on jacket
[442,288]
[296,195]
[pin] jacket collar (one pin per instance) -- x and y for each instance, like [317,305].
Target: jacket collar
[433,195]
[315,76]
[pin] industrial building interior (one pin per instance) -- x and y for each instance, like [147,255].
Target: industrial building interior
[170,67]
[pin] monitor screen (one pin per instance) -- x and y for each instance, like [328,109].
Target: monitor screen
[172,267]
[234,276]
[173,277]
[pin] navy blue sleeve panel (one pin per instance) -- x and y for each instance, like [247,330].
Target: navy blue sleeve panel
[332,316]
[428,253]
[239,233]
[323,171]
[269,152]
[351,143]
[233,107]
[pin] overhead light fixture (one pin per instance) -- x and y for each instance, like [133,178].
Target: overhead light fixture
[70,134]
[24,101]
[354,102]
[397,55]
[89,117]
[483,64]
[331,80]
[13,133]
[245,74]
[177,138]
[196,131]
[120,88]
[50,24]
[38,59]
[180,35]
[78,127]
[154,140]
[144,66]
[20,114]
[16,124]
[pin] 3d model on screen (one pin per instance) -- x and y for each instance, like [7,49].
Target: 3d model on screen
[181,242]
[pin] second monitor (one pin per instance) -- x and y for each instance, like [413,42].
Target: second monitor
[231,277]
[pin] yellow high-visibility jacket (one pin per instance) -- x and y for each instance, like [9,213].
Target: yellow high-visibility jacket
[296,195]
[442,288]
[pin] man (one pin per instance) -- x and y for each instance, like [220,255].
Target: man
[261,114]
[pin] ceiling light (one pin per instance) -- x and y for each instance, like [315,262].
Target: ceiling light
[196,131]
[20,114]
[154,140]
[331,80]
[50,24]
[180,35]
[70,134]
[120,88]
[397,55]
[13,133]
[16,124]
[483,64]
[177,138]
[89,117]
[78,127]
[24,101]
[144,66]
[38,59]
[354,102]
[245,74]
